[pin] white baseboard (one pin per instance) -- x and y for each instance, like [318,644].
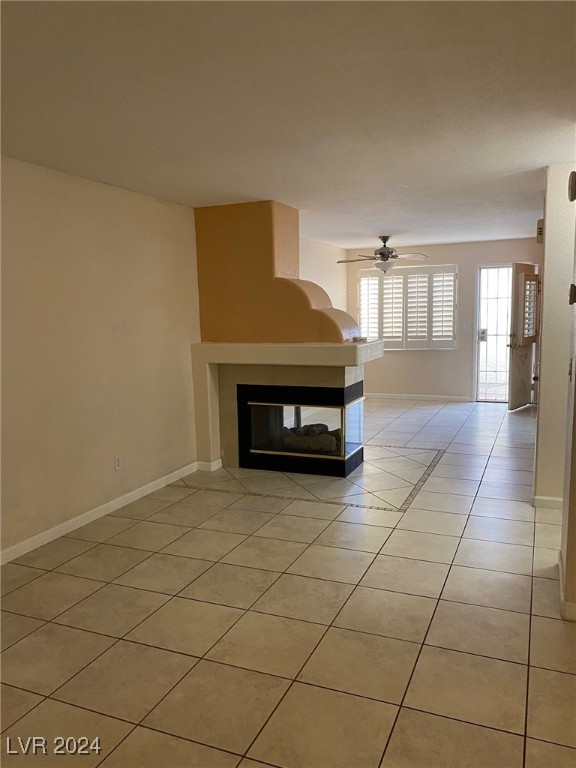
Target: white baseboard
[567,609]
[548,502]
[17,550]
[209,466]
[442,398]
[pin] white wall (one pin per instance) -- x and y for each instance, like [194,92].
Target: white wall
[100,308]
[555,339]
[443,373]
[318,264]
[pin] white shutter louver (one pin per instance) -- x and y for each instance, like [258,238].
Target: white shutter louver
[443,307]
[368,301]
[417,309]
[392,307]
[529,309]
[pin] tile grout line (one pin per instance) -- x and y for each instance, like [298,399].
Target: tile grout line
[281,677]
[400,706]
[52,696]
[273,515]
[254,533]
[418,486]
[324,634]
[316,500]
[328,627]
[302,682]
[388,741]
[204,655]
[117,639]
[468,515]
[527,698]
[251,567]
[49,696]
[115,747]
[290,618]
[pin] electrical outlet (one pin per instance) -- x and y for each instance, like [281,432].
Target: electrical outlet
[117,463]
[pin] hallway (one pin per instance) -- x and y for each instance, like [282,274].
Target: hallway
[406,617]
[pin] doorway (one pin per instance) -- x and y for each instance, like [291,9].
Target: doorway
[494,314]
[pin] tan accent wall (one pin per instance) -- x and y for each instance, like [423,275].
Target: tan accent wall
[441,372]
[99,311]
[248,267]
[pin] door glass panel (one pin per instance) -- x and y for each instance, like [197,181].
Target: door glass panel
[494,317]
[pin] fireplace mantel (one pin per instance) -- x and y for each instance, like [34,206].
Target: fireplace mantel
[346,354]
[208,356]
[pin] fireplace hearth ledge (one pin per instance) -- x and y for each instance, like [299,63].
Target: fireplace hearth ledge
[207,356]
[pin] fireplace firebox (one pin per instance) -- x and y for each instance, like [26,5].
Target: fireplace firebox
[310,430]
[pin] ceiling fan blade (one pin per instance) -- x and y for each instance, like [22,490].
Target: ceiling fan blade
[349,261]
[411,256]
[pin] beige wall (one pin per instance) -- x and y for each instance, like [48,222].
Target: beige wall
[99,311]
[445,373]
[555,340]
[318,264]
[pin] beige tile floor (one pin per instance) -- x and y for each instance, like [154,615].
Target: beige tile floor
[406,617]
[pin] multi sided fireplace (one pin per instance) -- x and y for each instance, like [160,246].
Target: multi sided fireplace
[311,430]
[263,326]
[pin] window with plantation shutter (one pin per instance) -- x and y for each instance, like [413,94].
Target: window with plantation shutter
[369,306]
[410,307]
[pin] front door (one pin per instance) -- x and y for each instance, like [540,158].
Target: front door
[523,334]
[494,313]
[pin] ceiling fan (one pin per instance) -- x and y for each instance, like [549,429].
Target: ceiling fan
[385,256]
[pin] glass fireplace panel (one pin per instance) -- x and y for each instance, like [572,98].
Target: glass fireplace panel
[306,430]
[354,425]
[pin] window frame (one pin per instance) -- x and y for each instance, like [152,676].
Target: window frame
[406,343]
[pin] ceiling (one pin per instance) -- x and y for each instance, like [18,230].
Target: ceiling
[430,121]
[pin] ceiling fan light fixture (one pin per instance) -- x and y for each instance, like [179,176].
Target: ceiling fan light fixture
[384,266]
